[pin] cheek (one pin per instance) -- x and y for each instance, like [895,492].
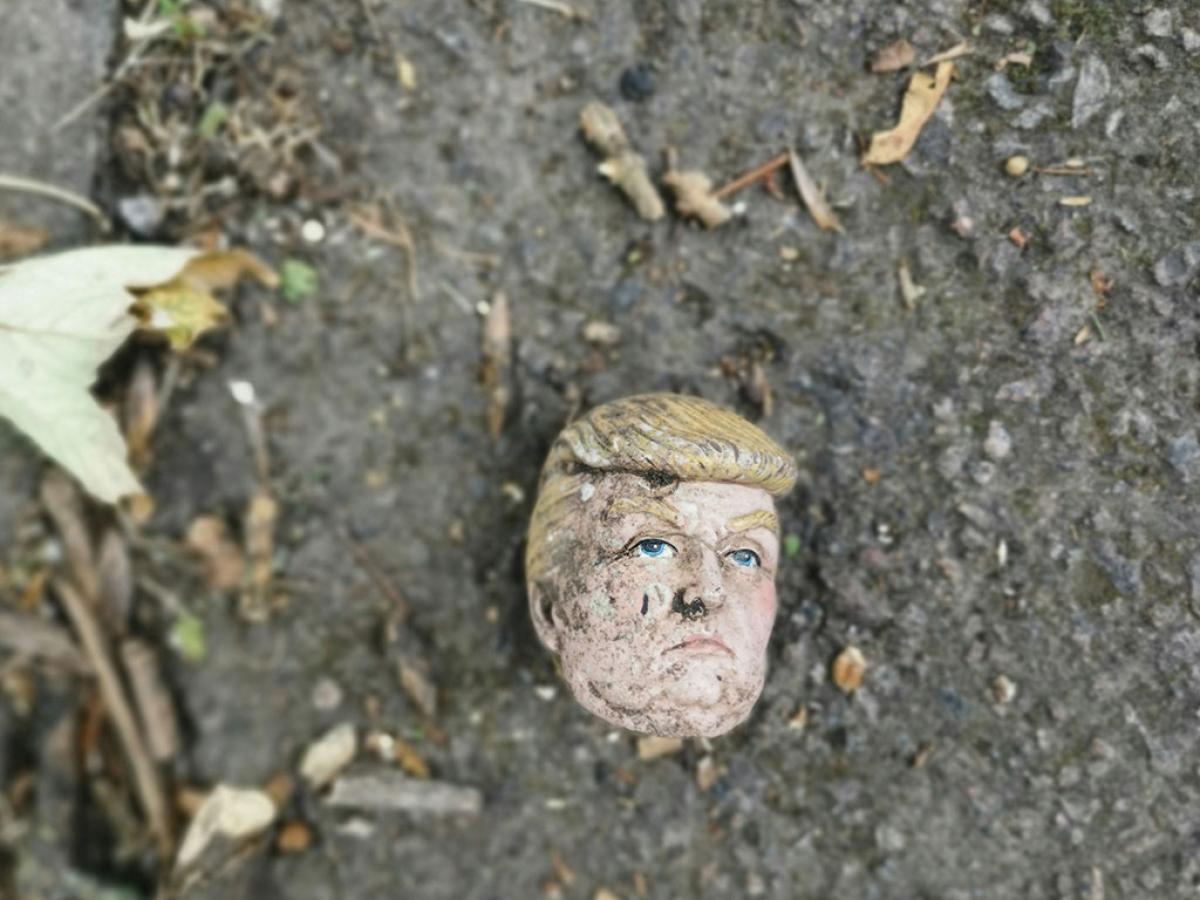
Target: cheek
[761,611]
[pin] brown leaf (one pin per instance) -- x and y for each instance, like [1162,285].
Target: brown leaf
[894,57]
[140,413]
[814,199]
[224,566]
[920,100]
[19,240]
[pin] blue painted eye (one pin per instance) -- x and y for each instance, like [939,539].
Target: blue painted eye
[654,549]
[745,558]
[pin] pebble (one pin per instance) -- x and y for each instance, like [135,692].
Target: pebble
[1183,454]
[1090,91]
[604,334]
[327,695]
[637,83]
[1191,40]
[998,24]
[998,444]
[1037,12]
[1016,166]
[1032,116]
[329,754]
[1000,89]
[1178,267]
[312,231]
[1158,22]
[141,213]
[1003,690]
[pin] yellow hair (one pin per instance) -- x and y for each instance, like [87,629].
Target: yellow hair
[665,436]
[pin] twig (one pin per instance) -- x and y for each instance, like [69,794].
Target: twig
[146,777]
[749,178]
[152,698]
[1063,170]
[363,557]
[401,237]
[62,195]
[946,55]
[812,196]
[388,790]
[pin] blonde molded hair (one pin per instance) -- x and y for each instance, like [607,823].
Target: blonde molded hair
[667,436]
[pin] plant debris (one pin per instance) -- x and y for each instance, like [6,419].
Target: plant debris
[910,291]
[894,57]
[814,198]
[652,747]
[848,669]
[694,197]
[224,565]
[390,790]
[495,368]
[955,52]
[329,754]
[920,100]
[758,173]
[622,165]
[232,813]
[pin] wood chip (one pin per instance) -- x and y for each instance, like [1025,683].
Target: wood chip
[1003,690]
[389,790]
[922,756]
[814,198]
[259,528]
[920,100]
[849,669]
[894,57]
[622,166]
[910,291]
[652,747]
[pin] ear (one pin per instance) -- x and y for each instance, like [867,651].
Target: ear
[541,610]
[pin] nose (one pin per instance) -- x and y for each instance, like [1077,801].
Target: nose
[704,589]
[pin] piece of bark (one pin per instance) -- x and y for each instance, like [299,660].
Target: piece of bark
[391,790]
[622,165]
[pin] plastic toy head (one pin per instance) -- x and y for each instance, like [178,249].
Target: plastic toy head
[651,562]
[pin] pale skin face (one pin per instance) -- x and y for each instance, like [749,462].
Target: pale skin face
[663,626]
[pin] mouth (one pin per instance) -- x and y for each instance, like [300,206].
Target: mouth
[701,643]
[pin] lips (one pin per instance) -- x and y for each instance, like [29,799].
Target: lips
[701,643]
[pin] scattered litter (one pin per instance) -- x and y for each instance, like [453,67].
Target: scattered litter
[923,755]
[652,747]
[910,291]
[894,57]
[1075,201]
[622,166]
[390,790]
[814,198]
[920,100]
[694,198]
[1016,166]
[1017,236]
[1018,58]
[849,669]
[312,231]
[329,754]
[233,813]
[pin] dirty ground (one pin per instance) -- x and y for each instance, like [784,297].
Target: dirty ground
[999,475]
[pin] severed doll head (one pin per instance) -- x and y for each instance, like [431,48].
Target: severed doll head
[651,562]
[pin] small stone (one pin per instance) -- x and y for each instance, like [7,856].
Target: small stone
[604,334]
[1191,40]
[1183,454]
[789,254]
[1038,13]
[312,231]
[141,213]
[1000,89]
[331,753]
[1003,690]
[849,669]
[1016,166]
[294,837]
[327,695]
[652,747]
[707,773]
[546,692]
[637,83]
[1178,267]
[1033,116]
[1090,91]
[998,24]
[998,444]
[1153,55]
[1158,22]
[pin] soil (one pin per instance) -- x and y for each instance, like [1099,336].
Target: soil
[999,482]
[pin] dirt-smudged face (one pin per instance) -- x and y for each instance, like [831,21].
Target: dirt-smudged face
[663,627]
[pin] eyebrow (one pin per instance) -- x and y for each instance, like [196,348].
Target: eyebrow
[760,518]
[650,506]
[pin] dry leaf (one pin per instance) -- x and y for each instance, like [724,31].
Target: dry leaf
[894,57]
[622,166]
[694,198]
[920,100]
[849,669]
[18,240]
[222,558]
[813,197]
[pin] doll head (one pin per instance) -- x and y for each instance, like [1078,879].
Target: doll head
[651,562]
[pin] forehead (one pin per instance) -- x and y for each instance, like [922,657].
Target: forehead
[707,502]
